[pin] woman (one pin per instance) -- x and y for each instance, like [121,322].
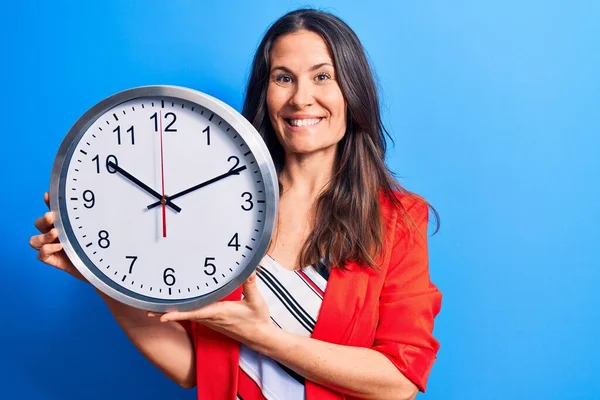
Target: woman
[349,249]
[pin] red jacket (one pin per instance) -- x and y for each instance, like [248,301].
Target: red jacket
[390,310]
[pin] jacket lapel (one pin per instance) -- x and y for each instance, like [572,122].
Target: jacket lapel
[343,298]
[347,291]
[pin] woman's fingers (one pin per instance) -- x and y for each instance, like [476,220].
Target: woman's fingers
[215,310]
[52,254]
[45,222]
[48,247]
[47,254]
[37,241]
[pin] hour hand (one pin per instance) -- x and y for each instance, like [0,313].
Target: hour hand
[235,171]
[143,186]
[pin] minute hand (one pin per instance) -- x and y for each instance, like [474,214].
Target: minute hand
[200,185]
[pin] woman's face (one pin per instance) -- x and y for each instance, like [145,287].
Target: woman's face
[305,102]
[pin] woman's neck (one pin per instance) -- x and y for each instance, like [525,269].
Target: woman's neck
[307,175]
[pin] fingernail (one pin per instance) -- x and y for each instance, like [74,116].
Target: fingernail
[151,314]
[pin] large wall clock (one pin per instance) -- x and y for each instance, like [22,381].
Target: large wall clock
[165,197]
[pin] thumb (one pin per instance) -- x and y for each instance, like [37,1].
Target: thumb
[250,289]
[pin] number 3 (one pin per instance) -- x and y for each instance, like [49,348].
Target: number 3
[248,200]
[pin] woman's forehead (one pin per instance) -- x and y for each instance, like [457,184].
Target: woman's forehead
[302,50]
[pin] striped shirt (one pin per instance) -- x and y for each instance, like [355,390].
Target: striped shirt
[294,299]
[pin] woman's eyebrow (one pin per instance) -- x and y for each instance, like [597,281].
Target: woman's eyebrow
[282,68]
[317,66]
[314,67]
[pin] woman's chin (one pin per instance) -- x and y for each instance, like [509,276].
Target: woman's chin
[307,149]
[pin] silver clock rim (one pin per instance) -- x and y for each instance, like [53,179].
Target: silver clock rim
[230,116]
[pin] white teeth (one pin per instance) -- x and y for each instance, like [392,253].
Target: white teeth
[304,122]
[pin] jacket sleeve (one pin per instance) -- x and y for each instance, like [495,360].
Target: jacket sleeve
[409,303]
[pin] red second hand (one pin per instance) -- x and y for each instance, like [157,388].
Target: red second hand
[162,173]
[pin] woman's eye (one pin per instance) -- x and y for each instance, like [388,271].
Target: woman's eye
[323,76]
[283,78]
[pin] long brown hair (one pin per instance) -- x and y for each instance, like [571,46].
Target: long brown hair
[348,224]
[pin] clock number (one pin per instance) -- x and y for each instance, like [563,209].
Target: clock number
[108,159]
[207,131]
[97,163]
[155,117]
[207,264]
[248,200]
[133,260]
[88,197]
[168,277]
[237,162]
[108,167]
[132,136]
[117,130]
[234,242]
[103,241]
[168,128]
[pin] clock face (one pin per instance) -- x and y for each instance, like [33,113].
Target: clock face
[164,202]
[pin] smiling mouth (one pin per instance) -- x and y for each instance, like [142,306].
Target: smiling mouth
[299,123]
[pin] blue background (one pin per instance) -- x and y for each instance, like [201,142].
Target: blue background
[495,111]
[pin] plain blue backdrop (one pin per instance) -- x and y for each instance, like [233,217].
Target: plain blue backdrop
[494,107]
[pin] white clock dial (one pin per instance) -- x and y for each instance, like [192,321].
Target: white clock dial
[217,214]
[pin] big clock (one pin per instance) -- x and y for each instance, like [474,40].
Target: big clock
[165,197]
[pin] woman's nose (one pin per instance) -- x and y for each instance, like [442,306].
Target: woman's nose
[302,95]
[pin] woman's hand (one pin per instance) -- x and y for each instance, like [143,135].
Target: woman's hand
[50,250]
[248,321]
